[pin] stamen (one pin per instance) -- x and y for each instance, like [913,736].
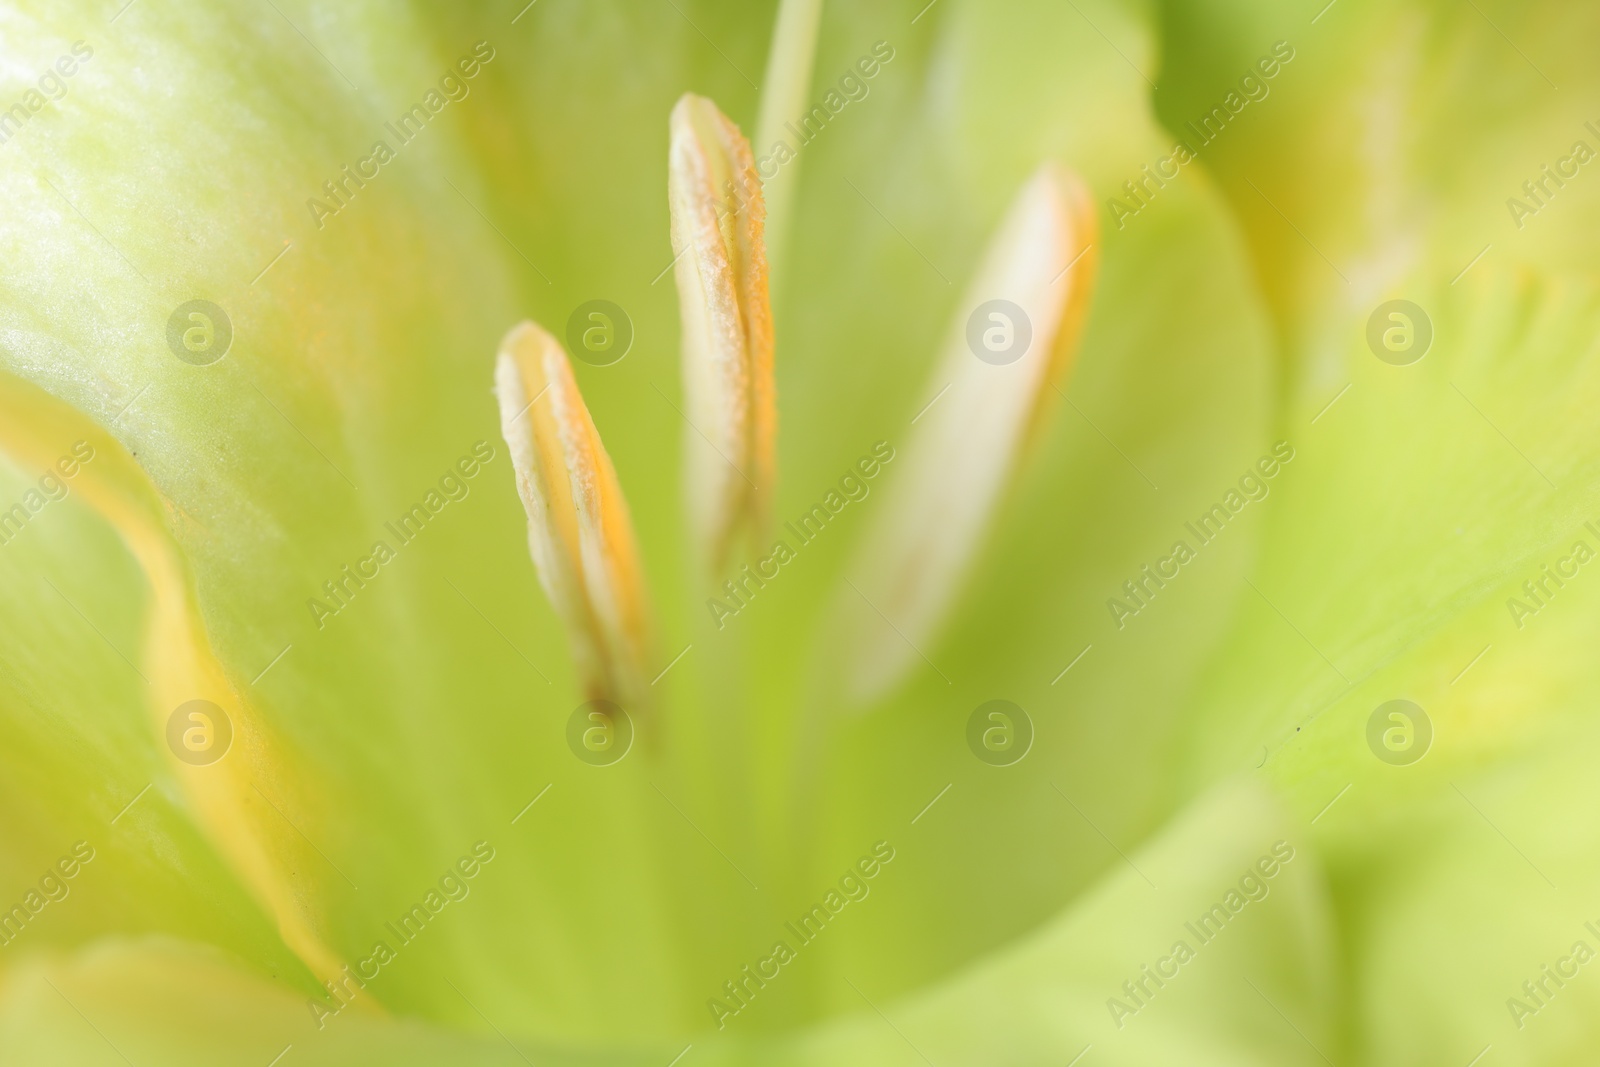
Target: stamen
[963,449]
[717,217]
[579,530]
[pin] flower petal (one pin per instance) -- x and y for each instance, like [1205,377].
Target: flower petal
[1053,994]
[226,795]
[160,1000]
[1041,1000]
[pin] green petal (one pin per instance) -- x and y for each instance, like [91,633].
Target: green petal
[1426,496]
[1390,145]
[1048,997]
[1485,886]
[159,1000]
[1426,493]
[1044,999]
[1419,504]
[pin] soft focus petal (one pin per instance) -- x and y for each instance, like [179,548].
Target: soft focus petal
[157,1000]
[229,796]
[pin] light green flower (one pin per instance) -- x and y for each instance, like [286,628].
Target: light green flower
[303,512]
